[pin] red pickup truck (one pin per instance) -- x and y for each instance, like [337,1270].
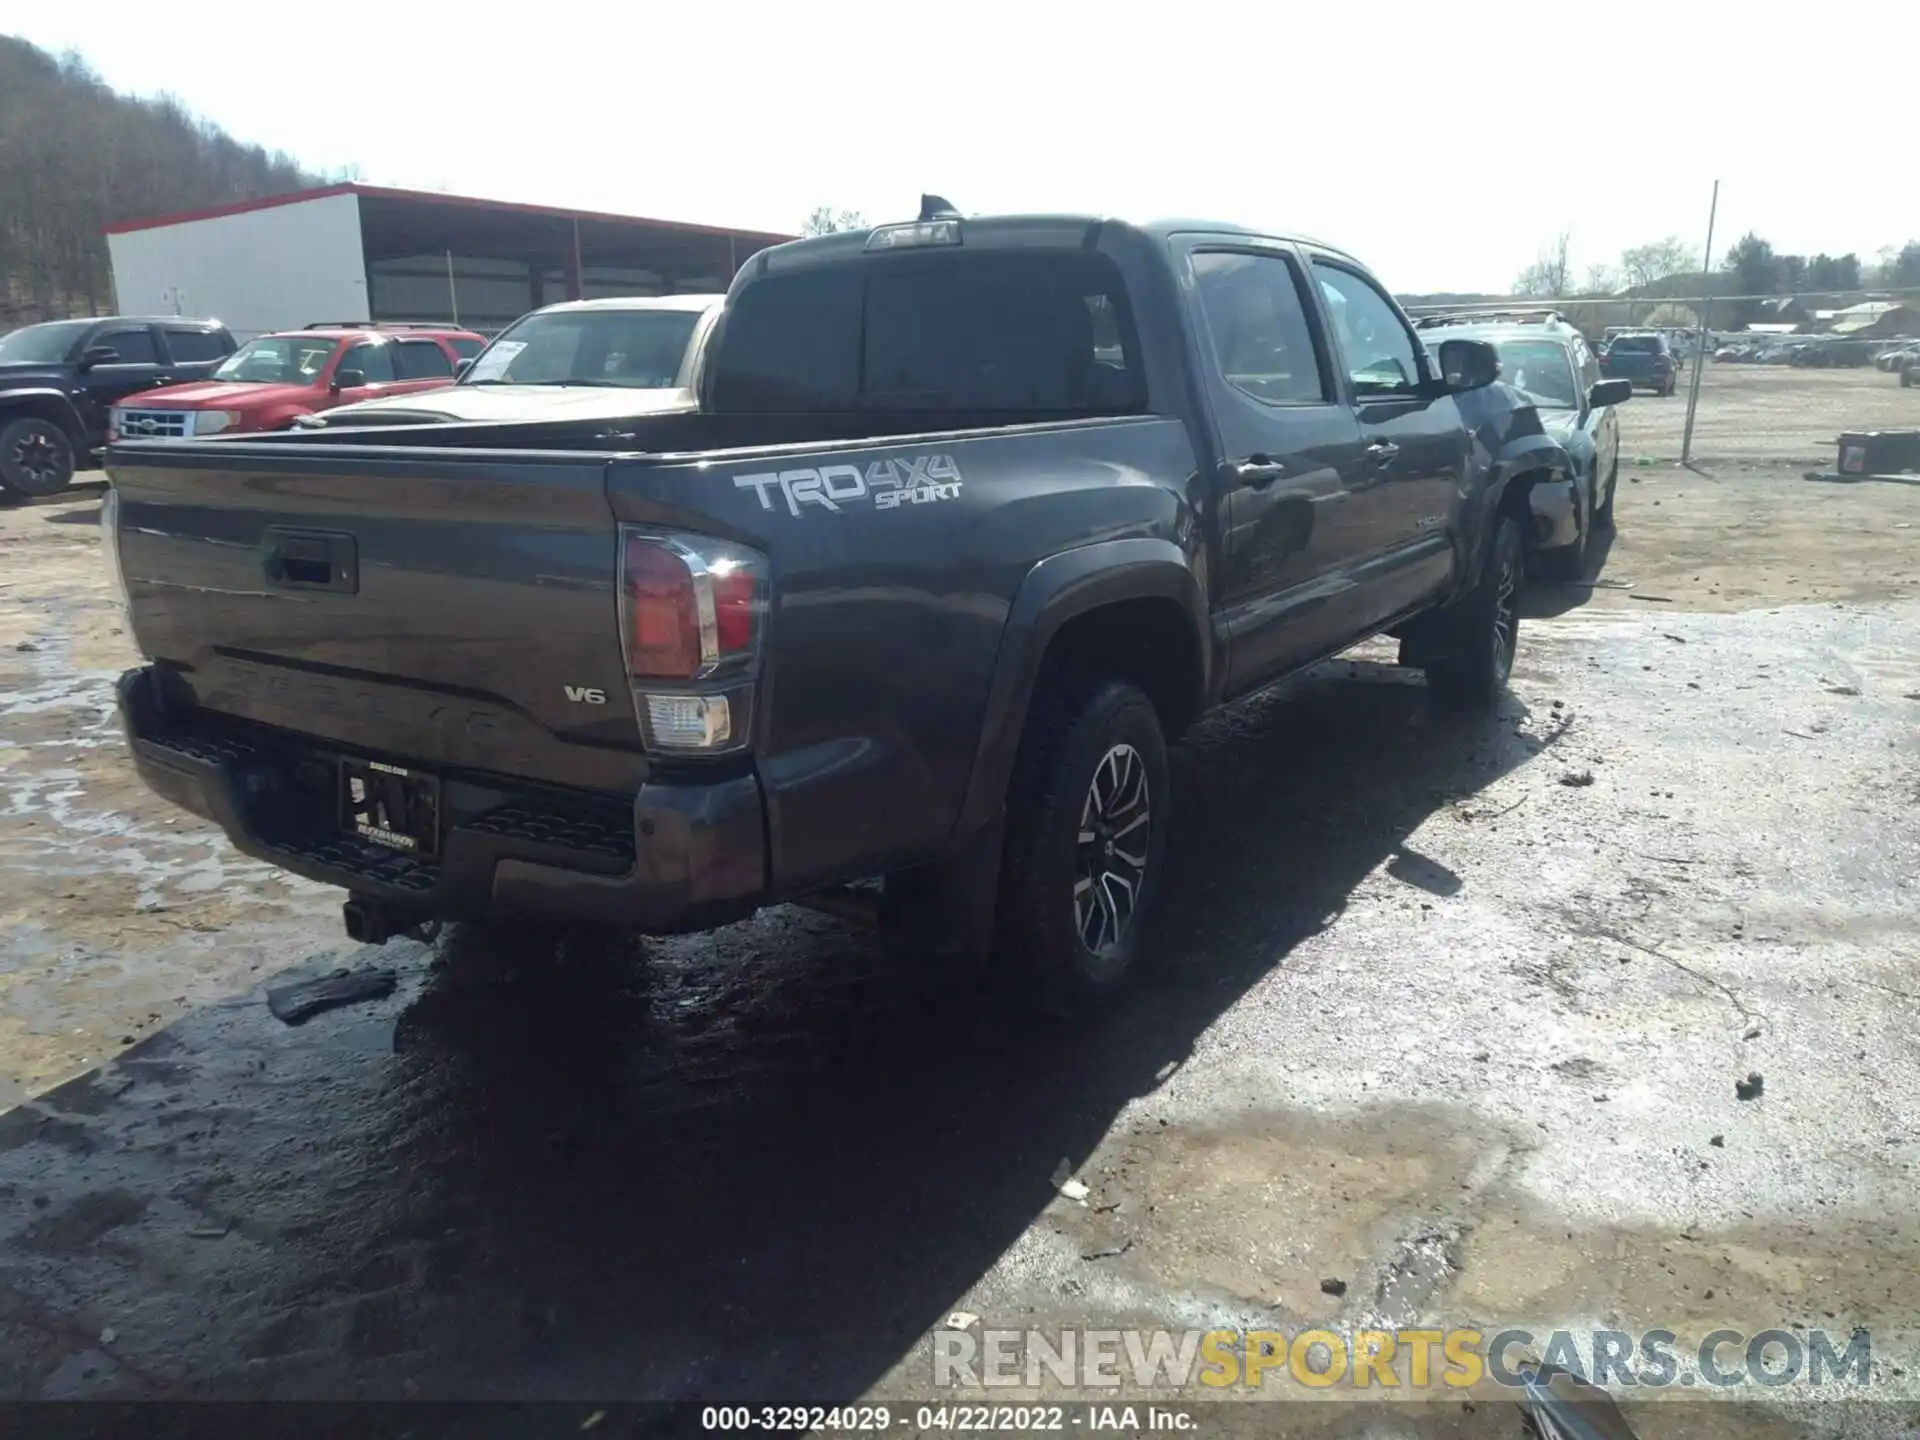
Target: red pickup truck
[268,383]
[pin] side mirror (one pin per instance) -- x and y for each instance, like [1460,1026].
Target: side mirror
[1610,392]
[460,368]
[347,380]
[98,355]
[1468,364]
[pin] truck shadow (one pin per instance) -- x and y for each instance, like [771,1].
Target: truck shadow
[784,1139]
[85,493]
[760,1163]
[1546,598]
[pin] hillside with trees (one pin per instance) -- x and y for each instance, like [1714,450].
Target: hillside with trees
[76,157]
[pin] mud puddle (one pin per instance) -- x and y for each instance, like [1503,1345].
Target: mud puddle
[117,912]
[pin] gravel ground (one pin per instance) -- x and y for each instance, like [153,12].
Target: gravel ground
[1451,1011]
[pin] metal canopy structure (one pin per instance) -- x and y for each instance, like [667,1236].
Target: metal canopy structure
[426,256]
[399,223]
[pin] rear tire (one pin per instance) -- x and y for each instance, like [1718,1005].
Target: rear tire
[36,458]
[1086,828]
[1479,639]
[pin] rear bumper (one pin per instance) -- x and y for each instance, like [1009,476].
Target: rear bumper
[1642,379]
[676,857]
[1556,514]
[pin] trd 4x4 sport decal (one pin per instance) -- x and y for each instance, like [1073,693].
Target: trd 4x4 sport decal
[889,484]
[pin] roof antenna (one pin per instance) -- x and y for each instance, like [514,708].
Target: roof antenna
[937,207]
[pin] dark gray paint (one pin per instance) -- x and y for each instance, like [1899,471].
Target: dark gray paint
[902,643]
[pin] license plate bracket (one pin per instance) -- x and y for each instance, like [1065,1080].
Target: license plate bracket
[391,806]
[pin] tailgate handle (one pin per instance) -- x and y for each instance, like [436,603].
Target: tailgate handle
[312,560]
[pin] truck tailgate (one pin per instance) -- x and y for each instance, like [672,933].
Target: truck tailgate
[458,612]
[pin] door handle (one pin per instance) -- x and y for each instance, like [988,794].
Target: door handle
[1257,470]
[1381,451]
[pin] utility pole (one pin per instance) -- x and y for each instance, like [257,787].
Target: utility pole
[1700,330]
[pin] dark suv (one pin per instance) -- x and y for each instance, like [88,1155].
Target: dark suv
[60,380]
[1645,360]
[1545,358]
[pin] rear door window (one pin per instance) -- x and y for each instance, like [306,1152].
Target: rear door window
[1257,321]
[1019,332]
[423,360]
[190,347]
[374,362]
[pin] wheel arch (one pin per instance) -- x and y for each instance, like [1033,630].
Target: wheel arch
[1131,609]
[54,406]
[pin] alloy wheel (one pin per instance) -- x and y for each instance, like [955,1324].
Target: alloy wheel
[1506,614]
[1110,866]
[40,461]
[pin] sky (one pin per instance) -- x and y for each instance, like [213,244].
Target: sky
[1444,145]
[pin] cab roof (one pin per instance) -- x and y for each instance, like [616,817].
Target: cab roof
[376,332]
[1066,223]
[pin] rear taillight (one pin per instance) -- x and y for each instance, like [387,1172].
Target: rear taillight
[692,614]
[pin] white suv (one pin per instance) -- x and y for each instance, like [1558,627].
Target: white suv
[584,359]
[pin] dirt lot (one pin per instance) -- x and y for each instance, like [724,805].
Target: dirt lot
[1451,1011]
[1743,528]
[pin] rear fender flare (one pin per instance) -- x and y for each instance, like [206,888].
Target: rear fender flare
[1056,590]
[56,405]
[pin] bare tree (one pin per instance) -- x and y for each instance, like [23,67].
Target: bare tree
[1600,279]
[1644,265]
[825,220]
[1901,268]
[1551,275]
[1670,316]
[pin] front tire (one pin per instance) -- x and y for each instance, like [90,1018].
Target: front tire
[1477,642]
[1086,828]
[1603,510]
[36,458]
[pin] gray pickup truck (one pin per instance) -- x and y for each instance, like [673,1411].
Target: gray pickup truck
[975,517]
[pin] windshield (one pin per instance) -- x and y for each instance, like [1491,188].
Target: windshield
[41,344]
[279,359]
[1540,368]
[632,349]
[1637,343]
